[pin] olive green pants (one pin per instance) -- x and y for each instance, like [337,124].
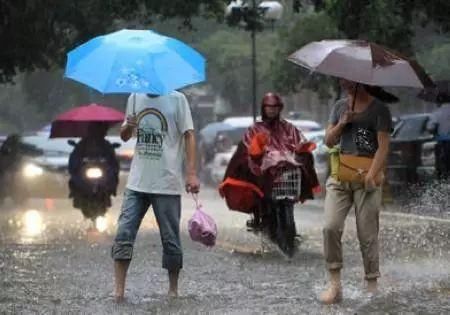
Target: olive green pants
[340,198]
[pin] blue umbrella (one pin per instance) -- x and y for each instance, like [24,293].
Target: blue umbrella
[135,61]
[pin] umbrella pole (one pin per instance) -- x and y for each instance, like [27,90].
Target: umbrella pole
[134,104]
[354,97]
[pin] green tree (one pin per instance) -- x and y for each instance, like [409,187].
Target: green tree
[393,23]
[229,65]
[308,27]
[437,61]
[36,34]
[386,22]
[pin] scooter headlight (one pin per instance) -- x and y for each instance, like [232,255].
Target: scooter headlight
[31,170]
[94,173]
[101,224]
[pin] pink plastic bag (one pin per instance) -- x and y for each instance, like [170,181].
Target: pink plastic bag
[202,227]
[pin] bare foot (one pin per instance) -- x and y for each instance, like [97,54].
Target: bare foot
[372,286]
[332,295]
[173,283]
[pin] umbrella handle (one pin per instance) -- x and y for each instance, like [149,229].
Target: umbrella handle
[354,97]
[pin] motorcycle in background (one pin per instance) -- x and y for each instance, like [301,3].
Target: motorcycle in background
[92,187]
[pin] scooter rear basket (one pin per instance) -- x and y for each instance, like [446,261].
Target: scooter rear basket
[288,184]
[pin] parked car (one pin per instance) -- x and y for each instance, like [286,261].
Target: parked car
[2,139]
[216,140]
[411,155]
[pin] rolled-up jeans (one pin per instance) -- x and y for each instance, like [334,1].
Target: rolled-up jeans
[167,209]
[340,198]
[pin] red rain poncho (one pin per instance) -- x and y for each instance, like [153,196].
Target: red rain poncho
[265,145]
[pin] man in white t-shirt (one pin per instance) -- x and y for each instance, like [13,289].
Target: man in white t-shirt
[164,130]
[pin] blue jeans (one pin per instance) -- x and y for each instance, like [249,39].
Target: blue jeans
[167,209]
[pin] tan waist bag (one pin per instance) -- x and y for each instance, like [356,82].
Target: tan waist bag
[354,168]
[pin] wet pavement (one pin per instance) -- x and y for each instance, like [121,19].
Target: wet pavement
[430,198]
[53,262]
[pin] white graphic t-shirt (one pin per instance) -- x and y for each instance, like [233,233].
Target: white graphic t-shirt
[159,153]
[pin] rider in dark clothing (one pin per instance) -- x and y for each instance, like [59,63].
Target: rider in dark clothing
[95,147]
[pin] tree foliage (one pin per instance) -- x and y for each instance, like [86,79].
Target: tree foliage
[387,22]
[437,61]
[308,27]
[229,65]
[36,34]
[392,23]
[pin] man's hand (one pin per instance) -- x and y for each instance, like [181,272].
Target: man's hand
[192,184]
[131,121]
[126,131]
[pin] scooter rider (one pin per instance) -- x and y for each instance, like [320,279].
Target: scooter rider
[93,146]
[266,144]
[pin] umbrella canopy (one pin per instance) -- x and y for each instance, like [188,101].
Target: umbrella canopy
[135,61]
[440,93]
[361,61]
[80,121]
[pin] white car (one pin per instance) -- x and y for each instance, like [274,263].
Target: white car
[321,158]
[219,164]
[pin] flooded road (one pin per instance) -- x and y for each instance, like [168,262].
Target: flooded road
[52,261]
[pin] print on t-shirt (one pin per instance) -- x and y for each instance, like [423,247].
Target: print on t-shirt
[365,140]
[151,131]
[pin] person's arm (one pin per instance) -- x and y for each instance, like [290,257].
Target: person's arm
[75,159]
[339,117]
[384,125]
[192,182]
[127,129]
[432,124]
[334,131]
[186,127]
[130,123]
[332,135]
[379,160]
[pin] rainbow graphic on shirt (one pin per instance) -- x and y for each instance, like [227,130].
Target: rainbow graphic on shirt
[152,128]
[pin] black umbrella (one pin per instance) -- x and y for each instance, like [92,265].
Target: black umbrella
[440,93]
